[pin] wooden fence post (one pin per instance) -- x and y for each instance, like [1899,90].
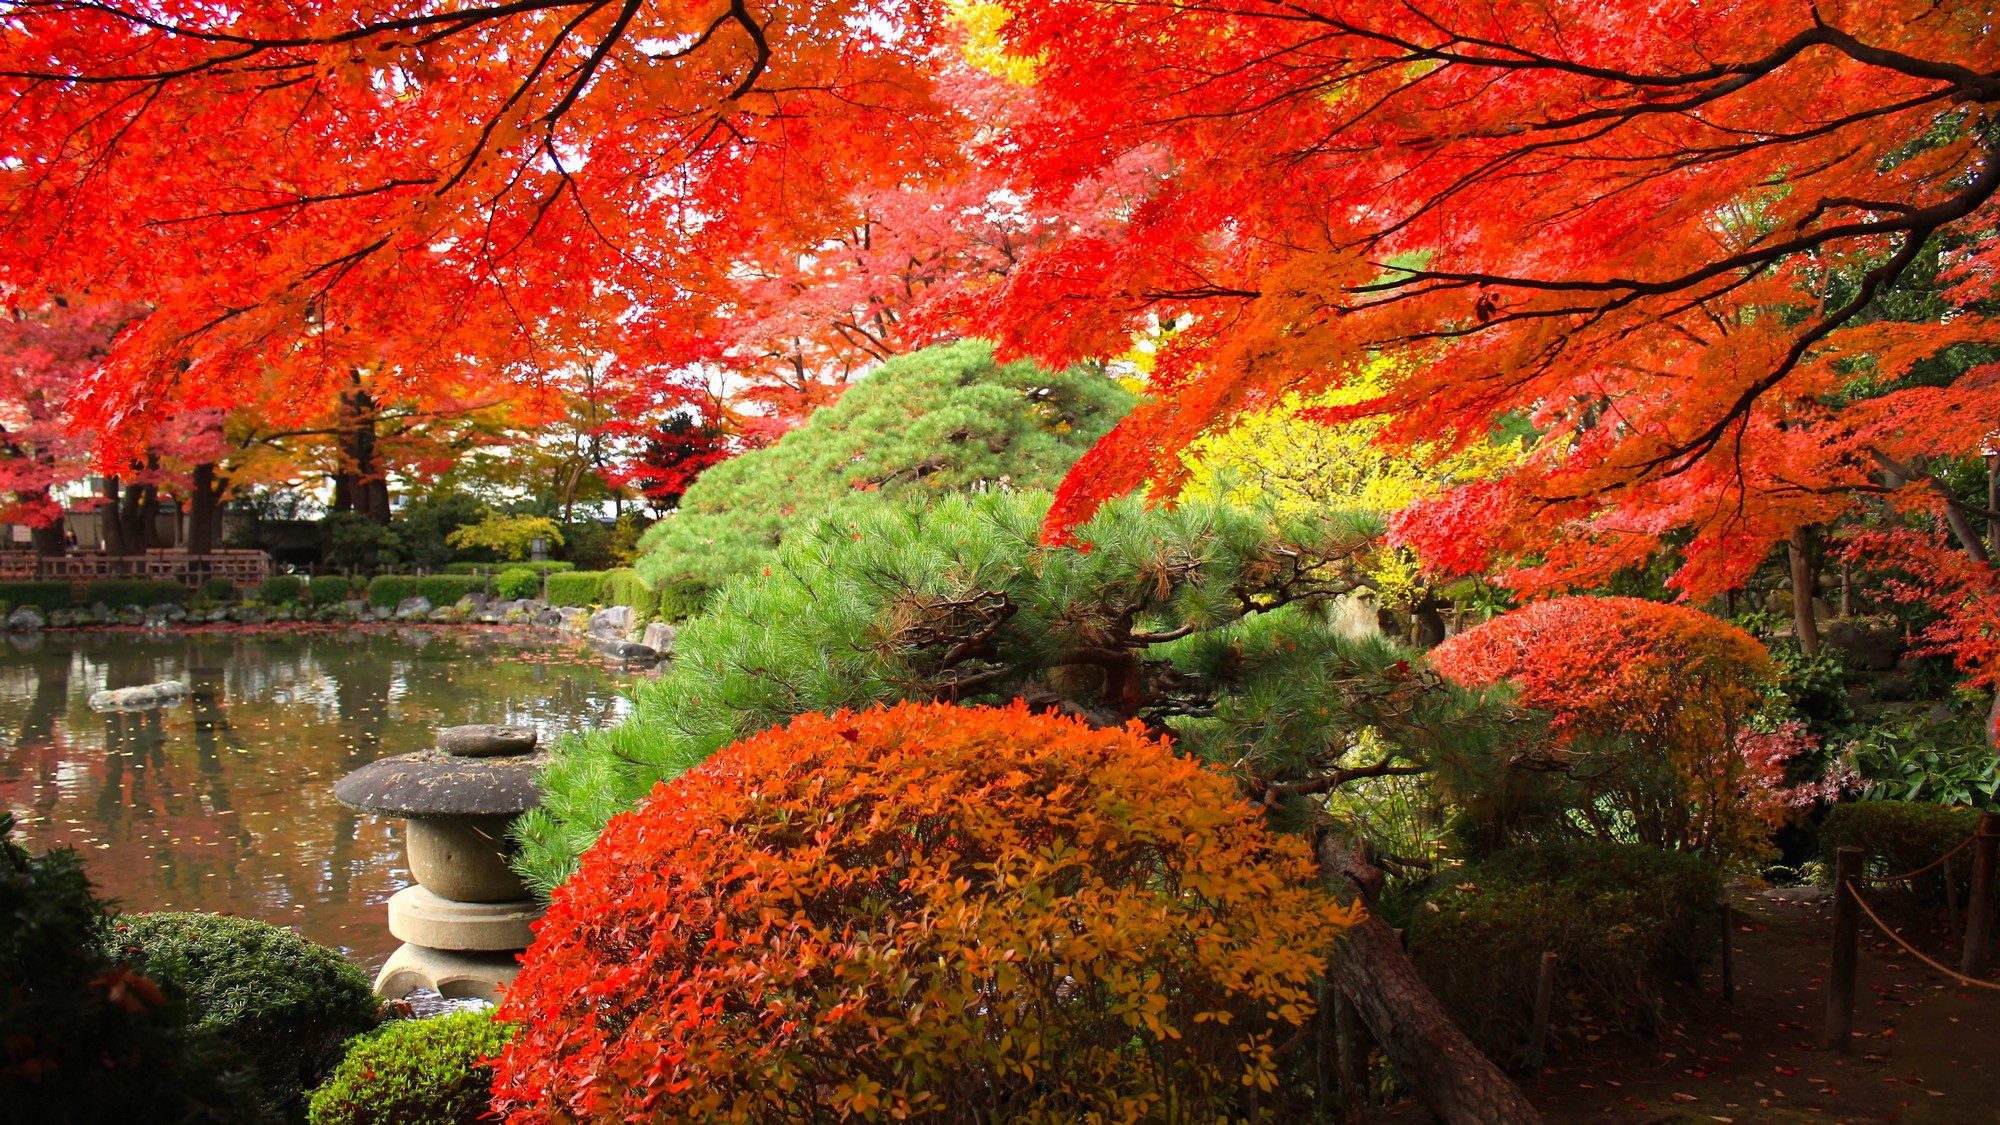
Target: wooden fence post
[1545,998]
[1979,911]
[1846,951]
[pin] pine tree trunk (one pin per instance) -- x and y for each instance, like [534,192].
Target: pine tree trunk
[360,484]
[1456,1082]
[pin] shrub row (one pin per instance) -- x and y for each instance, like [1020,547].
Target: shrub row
[118,592]
[41,595]
[328,589]
[497,567]
[576,588]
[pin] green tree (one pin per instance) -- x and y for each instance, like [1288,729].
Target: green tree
[946,419]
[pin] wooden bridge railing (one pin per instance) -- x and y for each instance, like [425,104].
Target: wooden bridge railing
[243,568]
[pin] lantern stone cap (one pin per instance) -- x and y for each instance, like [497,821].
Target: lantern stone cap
[486,740]
[430,783]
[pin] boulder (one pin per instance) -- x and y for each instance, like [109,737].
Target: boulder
[659,637]
[25,618]
[131,615]
[413,607]
[485,740]
[549,618]
[142,698]
[616,620]
[1863,650]
[574,618]
[355,607]
[66,618]
[218,615]
[472,603]
[620,649]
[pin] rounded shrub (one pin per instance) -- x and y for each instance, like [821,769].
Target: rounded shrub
[1647,703]
[516,583]
[415,1072]
[218,589]
[924,913]
[280,589]
[387,591]
[83,1038]
[330,589]
[287,1004]
[1625,922]
[40,595]
[446,589]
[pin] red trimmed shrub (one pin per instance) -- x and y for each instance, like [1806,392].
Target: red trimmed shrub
[1648,703]
[925,913]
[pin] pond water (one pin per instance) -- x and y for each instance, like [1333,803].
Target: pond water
[225,802]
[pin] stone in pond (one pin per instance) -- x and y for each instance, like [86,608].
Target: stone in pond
[25,618]
[485,740]
[412,607]
[659,637]
[140,698]
[612,619]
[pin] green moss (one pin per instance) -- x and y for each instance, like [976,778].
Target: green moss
[1624,920]
[946,419]
[285,1003]
[414,1072]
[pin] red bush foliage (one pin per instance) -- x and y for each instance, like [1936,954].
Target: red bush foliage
[924,913]
[1648,703]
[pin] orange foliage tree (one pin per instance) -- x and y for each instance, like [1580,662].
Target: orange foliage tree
[1649,705]
[924,913]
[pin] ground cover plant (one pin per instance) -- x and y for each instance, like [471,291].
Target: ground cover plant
[436,1071]
[926,913]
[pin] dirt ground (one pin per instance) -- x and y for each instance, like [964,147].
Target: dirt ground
[1926,1050]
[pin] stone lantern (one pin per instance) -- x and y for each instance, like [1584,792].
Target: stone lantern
[468,916]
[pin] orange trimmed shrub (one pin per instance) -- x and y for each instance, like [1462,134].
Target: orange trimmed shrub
[925,913]
[1648,705]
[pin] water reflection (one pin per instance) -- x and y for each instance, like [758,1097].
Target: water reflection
[224,802]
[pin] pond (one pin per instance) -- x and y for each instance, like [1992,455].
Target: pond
[224,802]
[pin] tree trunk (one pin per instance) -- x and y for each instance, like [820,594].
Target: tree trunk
[108,520]
[204,509]
[1451,1077]
[360,484]
[1804,587]
[1992,504]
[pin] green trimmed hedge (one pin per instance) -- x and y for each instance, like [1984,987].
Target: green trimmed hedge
[330,589]
[120,592]
[281,588]
[1625,922]
[41,595]
[218,589]
[682,600]
[1901,836]
[386,591]
[446,589]
[624,587]
[415,1072]
[577,588]
[497,567]
[290,1006]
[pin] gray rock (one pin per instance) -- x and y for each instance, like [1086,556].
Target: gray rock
[485,740]
[472,603]
[355,607]
[66,618]
[156,616]
[131,615]
[177,614]
[1863,649]
[659,637]
[615,619]
[100,611]
[246,615]
[412,607]
[142,698]
[218,614]
[25,618]
[620,649]
[435,784]
[574,618]
[549,618]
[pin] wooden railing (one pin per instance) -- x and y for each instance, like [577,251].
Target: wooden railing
[243,568]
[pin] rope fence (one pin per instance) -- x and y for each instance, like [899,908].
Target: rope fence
[1849,908]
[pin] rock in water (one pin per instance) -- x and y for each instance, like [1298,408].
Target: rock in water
[413,607]
[659,637]
[614,619]
[142,698]
[25,618]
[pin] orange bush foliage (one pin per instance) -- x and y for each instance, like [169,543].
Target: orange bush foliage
[924,913]
[1648,704]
